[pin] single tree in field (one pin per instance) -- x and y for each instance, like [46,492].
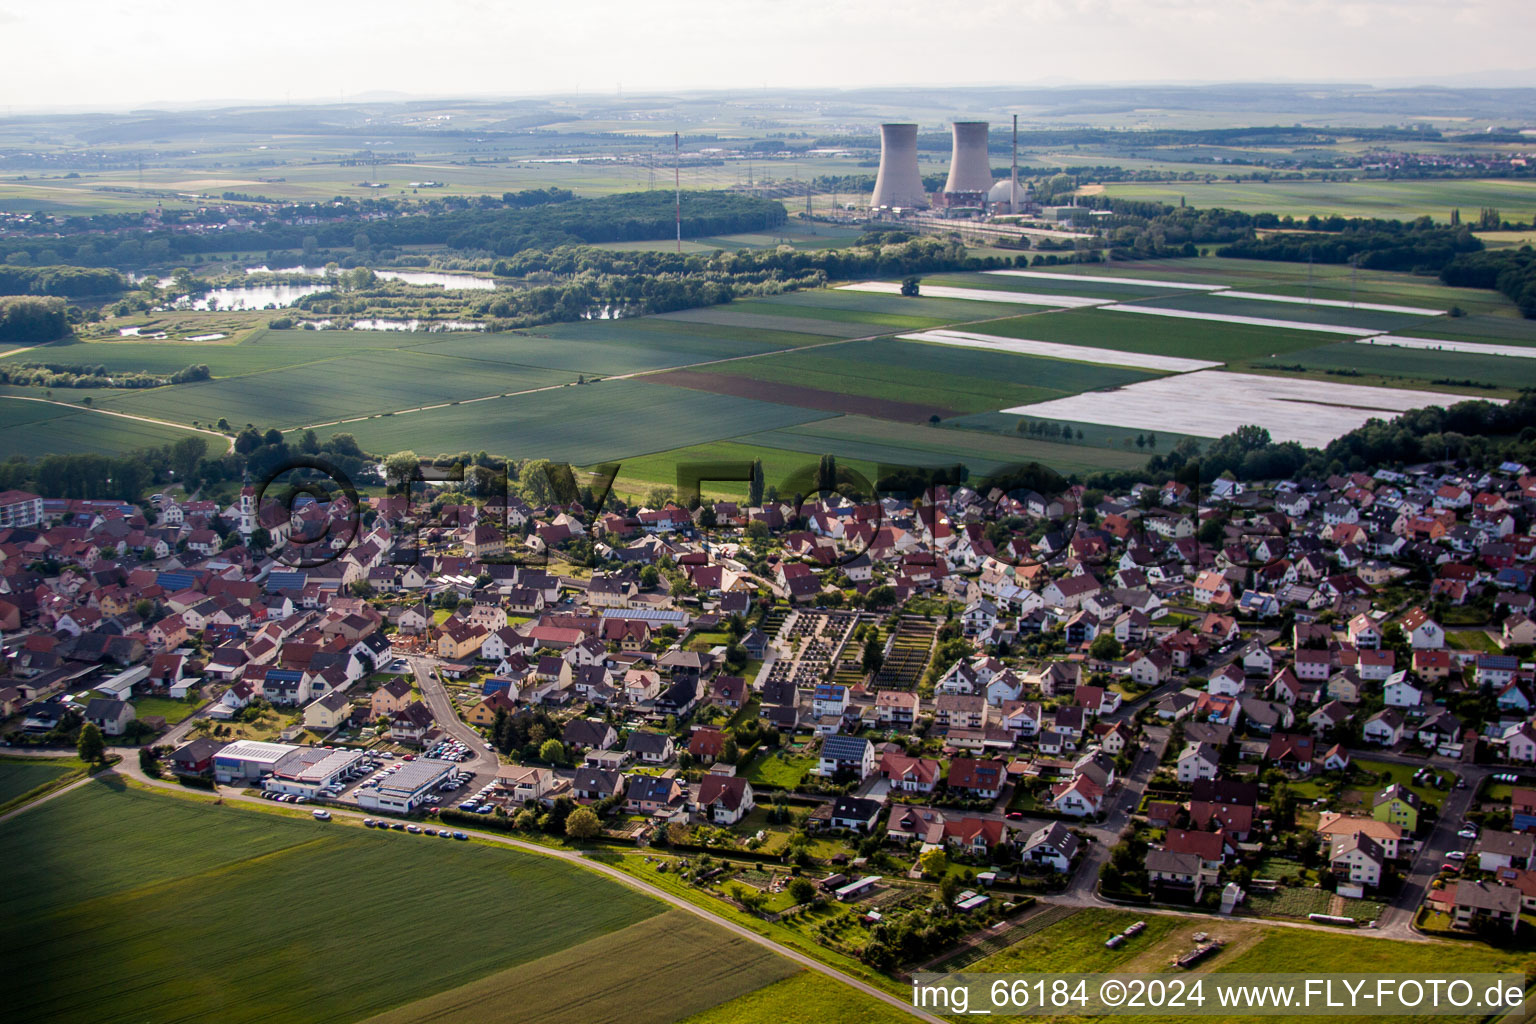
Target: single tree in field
[803,890]
[91,747]
[911,287]
[582,824]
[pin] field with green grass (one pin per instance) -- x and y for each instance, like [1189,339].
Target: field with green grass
[666,967]
[805,998]
[1168,336]
[911,444]
[778,770]
[1424,365]
[262,908]
[1391,199]
[337,389]
[173,711]
[638,474]
[1219,304]
[19,777]
[580,425]
[35,428]
[954,379]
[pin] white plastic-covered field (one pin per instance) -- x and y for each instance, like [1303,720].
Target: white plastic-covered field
[1256,321]
[1210,403]
[1301,300]
[1056,350]
[1472,348]
[942,291]
[1107,279]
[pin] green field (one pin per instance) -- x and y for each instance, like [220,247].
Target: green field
[18,776]
[338,389]
[805,998]
[948,377]
[911,444]
[665,967]
[1375,198]
[1223,305]
[1415,364]
[1077,945]
[33,428]
[1007,423]
[186,911]
[780,468]
[1156,335]
[580,425]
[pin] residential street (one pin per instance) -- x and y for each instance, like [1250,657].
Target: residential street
[435,696]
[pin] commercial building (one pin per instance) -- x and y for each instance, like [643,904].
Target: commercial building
[308,770]
[405,790]
[248,760]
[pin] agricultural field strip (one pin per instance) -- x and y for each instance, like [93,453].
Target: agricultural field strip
[1215,402]
[1054,350]
[939,291]
[1338,303]
[1256,321]
[1106,279]
[1438,345]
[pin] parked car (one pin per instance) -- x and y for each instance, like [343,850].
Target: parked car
[1456,855]
[321,815]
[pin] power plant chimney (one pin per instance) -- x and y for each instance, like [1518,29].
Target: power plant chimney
[898,183]
[1013,177]
[970,169]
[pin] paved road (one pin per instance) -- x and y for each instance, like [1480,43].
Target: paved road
[435,695]
[129,766]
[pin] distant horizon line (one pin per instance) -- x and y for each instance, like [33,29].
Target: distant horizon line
[1480,81]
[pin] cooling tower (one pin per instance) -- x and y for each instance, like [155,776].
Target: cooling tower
[898,183]
[969,168]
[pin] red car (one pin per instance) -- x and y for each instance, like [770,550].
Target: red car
[1015,815]
[1451,867]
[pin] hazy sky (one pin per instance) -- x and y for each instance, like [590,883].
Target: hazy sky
[98,54]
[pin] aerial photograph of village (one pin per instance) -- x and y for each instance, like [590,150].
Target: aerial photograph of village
[690,513]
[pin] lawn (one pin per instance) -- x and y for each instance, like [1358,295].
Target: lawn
[173,711]
[778,770]
[210,875]
[653,972]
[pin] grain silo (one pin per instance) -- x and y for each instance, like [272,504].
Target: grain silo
[898,183]
[970,169]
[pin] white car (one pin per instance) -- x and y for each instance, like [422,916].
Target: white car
[1456,855]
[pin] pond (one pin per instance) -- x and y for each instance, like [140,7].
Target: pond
[415,325]
[450,282]
[266,296]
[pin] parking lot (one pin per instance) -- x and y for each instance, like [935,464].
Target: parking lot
[378,766]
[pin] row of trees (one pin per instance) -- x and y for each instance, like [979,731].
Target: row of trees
[63,375]
[1510,271]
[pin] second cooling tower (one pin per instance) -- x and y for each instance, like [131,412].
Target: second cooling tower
[970,170]
[898,183]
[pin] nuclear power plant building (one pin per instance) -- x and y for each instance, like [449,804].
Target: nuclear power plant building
[898,184]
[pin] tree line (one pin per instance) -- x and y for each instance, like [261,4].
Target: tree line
[1510,271]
